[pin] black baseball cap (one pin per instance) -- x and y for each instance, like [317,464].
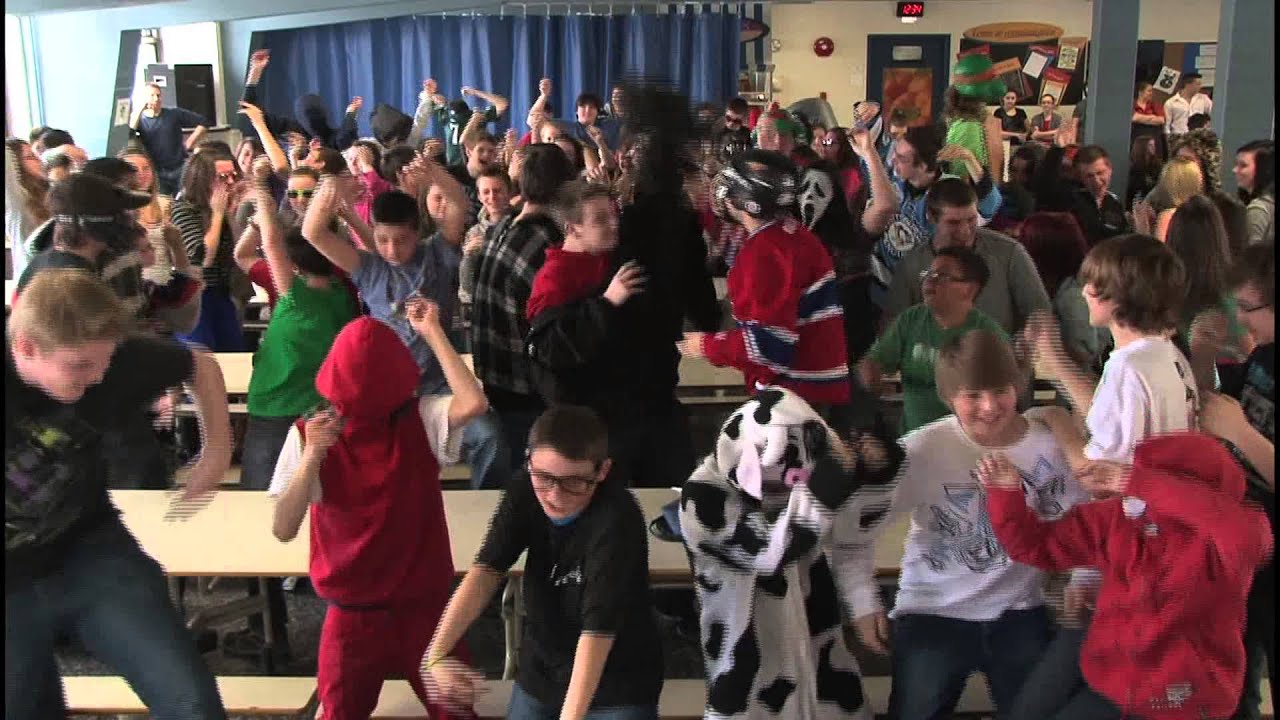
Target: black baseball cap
[92,198]
[114,170]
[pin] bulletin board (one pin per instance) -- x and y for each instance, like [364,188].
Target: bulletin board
[1032,59]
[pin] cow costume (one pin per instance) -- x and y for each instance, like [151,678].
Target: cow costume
[767,519]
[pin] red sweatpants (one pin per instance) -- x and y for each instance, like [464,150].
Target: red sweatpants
[361,648]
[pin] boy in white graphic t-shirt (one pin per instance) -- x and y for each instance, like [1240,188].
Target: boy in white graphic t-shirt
[1134,286]
[963,606]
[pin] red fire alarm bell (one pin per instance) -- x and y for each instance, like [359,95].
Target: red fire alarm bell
[823,47]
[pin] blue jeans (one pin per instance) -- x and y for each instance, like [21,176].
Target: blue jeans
[114,597]
[485,449]
[934,656]
[263,439]
[169,181]
[1055,689]
[525,707]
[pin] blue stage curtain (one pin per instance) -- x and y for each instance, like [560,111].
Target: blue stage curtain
[386,60]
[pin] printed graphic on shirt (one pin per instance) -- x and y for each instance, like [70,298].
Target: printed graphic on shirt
[960,540]
[973,543]
[901,237]
[41,474]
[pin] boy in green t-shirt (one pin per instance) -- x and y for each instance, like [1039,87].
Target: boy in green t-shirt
[911,342]
[315,303]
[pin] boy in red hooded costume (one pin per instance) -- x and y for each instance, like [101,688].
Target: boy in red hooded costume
[368,468]
[1177,548]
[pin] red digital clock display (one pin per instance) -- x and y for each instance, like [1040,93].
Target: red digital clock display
[910,9]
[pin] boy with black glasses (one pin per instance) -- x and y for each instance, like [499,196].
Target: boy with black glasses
[590,647]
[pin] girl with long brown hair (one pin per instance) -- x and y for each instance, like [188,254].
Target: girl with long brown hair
[25,203]
[202,214]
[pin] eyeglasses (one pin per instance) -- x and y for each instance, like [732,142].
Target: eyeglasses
[227,177]
[937,275]
[734,119]
[828,141]
[292,194]
[572,484]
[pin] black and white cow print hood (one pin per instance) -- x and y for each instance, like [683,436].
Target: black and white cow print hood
[771,443]
[779,534]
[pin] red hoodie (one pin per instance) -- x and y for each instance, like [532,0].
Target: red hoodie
[565,277]
[1177,557]
[378,535]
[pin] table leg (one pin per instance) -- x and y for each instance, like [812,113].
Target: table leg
[512,603]
[268,660]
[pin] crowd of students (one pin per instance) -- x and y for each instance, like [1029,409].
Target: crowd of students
[575,265]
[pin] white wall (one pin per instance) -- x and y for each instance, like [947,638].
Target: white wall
[800,74]
[196,44]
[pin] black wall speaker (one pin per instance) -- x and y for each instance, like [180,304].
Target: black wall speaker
[194,90]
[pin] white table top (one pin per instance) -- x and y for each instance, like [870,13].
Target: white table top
[231,537]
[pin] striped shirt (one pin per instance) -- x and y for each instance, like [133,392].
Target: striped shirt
[790,325]
[192,224]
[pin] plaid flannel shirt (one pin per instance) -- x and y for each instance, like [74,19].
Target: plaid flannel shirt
[507,264]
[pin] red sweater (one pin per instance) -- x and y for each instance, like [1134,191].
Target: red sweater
[790,324]
[1177,559]
[565,277]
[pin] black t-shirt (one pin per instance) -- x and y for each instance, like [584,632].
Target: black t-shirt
[56,462]
[52,260]
[1015,121]
[589,576]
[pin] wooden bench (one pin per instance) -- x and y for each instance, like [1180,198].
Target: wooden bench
[256,696]
[681,699]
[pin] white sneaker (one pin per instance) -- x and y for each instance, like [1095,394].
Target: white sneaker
[289,584]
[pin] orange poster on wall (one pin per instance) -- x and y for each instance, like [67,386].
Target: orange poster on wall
[909,89]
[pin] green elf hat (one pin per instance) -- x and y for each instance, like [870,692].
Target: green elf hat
[975,77]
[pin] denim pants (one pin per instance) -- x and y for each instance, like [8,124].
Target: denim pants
[485,449]
[263,440]
[525,707]
[1055,689]
[514,426]
[114,597]
[934,656]
[168,182]
[1259,644]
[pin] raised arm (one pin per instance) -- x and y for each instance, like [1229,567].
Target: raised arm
[538,111]
[282,269]
[316,228]
[499,103]
[429,101]
[454,225]
[275,153]
[468,400]
[474,125]
[246,252]
[884,196]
